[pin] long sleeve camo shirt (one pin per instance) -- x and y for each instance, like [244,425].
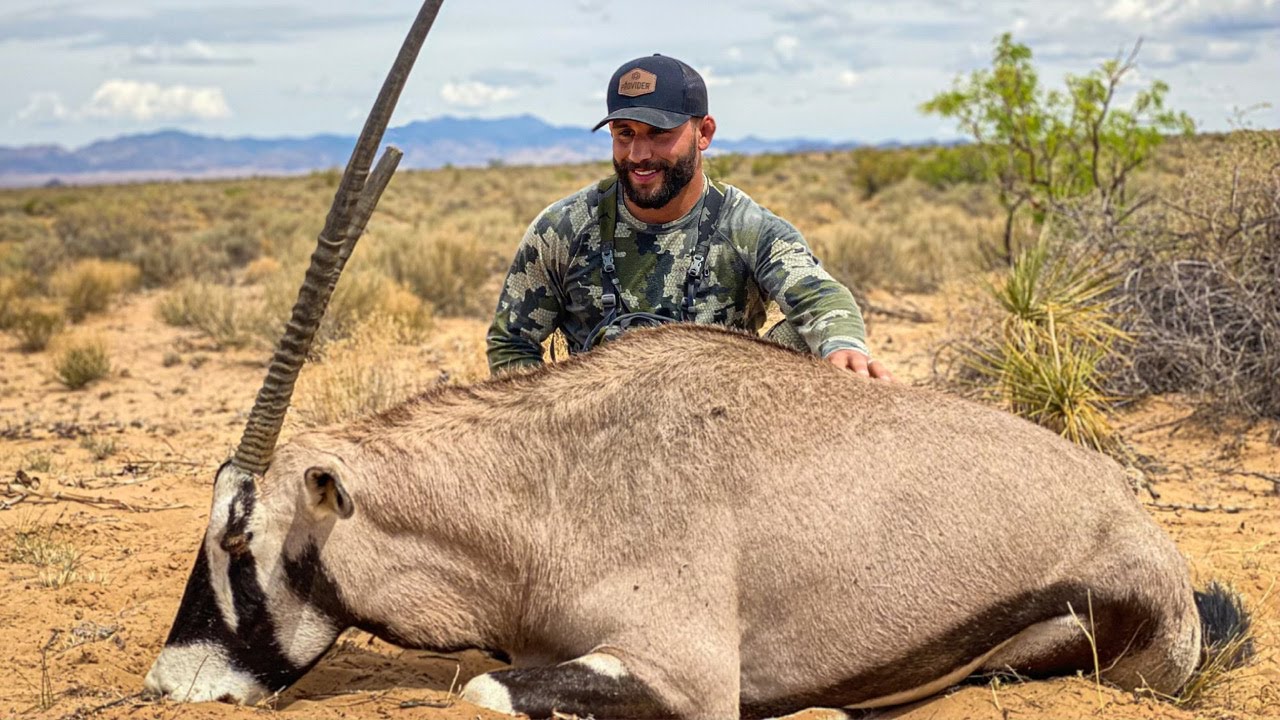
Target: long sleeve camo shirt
[555,280]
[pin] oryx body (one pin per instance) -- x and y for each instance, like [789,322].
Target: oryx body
[715,522]
[688,522]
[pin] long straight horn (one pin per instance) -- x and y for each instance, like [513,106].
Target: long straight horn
[342,227]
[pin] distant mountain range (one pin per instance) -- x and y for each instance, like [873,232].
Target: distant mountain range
[172,154]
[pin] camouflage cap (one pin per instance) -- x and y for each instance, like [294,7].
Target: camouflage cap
[655,90]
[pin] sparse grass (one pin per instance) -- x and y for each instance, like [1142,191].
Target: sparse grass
[81,361]
[90,285]
[35,461]
[59,561]
[100,447]
[356,376]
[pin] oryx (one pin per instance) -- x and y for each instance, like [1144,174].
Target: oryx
[688,522]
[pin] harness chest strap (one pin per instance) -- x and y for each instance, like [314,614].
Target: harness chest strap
[611,297]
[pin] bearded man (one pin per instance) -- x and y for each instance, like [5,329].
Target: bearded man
[661,242]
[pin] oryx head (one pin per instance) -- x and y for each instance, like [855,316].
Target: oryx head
[258,610]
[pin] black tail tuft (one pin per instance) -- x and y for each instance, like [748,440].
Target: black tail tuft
[1225,638]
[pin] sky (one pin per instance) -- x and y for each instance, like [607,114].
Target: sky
[846,70]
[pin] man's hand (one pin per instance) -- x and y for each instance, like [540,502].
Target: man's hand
[860,364]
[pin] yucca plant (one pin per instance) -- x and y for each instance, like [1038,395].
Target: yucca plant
[1045,362]
[1074,292]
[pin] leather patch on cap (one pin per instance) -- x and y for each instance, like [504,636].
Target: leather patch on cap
[637,82]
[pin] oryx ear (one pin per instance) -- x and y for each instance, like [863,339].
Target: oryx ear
[325,493]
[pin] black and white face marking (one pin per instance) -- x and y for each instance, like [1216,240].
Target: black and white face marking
[251,621]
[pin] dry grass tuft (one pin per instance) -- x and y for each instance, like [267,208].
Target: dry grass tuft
[35,323]
[357,376]
[452,272]
[14,291]
[80,361]
[89,286]
[220,312]
[59,561]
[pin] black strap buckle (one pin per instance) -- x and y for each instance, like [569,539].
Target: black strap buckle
[695,267]
[607,257]
[609,301]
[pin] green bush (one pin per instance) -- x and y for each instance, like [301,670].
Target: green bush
[874,169]
[948,166]
[767,164]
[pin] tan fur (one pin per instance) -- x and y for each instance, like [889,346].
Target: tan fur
[741,526]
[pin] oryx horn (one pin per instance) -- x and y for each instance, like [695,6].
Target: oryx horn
[352,204]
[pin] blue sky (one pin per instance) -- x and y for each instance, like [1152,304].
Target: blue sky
[78,71]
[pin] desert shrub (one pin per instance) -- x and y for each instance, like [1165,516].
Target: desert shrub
[1201,295]
[1046,147]
[14,291]
[59,561]
[361,295]
[89,286]
[767,164]
[453,272]
[80,361]
[356,376]
[215,310]
[35,323]
[721,167]
[948,166]
[106,230]
[875,169]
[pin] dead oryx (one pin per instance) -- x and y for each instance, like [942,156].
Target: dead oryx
[688,522]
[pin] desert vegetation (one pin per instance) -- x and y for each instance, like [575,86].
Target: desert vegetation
[137,321]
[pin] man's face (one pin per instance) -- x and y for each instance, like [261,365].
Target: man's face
[653,164]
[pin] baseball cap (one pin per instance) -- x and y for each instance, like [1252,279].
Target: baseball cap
[656,90]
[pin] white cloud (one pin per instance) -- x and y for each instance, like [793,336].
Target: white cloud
[136,100]
[192,52]
[712,79]
[784,46]
[1140,10]
[43,107]
[475,94]
[848,78]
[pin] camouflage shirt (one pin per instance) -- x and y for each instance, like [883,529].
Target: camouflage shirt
[555,280]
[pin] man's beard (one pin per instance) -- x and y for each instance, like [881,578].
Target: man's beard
[675,176]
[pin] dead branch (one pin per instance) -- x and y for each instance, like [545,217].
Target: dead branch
[1197,507]
[101,503]
[899,313]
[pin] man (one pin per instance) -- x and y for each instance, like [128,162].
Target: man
[661,242]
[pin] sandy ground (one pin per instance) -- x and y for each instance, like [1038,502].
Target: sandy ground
[77,639]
